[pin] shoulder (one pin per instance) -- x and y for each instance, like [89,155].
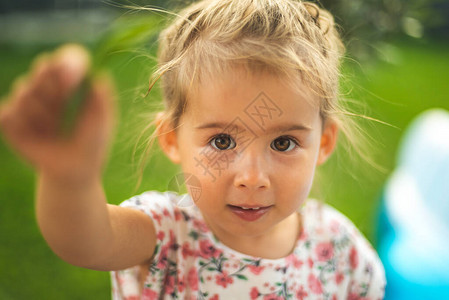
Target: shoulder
[323,222]
[332,236]
[168,210]
[326,222]
[158,205]
[174,221]
[151,200]
[176,226]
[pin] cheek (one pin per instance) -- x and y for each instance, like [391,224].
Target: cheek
[211,180]
[297,178]
[210,166]
[191,158]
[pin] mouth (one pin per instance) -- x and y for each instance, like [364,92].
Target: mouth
[249,212]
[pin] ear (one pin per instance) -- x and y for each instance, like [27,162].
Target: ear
[328,141]
[167,138]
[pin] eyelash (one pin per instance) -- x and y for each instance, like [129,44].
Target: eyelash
[233,144]
[222,135]
[292,140]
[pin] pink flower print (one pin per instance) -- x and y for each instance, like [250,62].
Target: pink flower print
[172,238]
[149,294]
[169,283]
[272,297]
[301,293]
[192,279]
[200,225]
[215,297]
[160,235]
[157,217]
[353,258]
[186,251]
[178,215]
[314,284]
[254,294]
[256,270]
[166,212]
[162,257]
[339,277]
[310,262]
[181,284]
[324,251]
[355,296]
[335,226]
[207,250]
[119,278]
[223,279]
[293,260]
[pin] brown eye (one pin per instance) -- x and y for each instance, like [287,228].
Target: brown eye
[283,144]
[222,142]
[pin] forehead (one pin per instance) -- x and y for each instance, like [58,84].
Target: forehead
[257,98]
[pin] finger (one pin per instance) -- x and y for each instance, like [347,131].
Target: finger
[19,125]
[45,83]
[26,106]
[40,95]
[56,77]
[39,119]
[51,82]
[16,131]
[72,64]
[11,125]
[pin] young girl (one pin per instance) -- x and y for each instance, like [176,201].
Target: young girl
[251,95]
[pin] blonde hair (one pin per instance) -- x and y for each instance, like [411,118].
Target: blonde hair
[294,39]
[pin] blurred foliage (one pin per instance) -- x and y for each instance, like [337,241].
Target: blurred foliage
[10,6]
[395,92]
[367,23]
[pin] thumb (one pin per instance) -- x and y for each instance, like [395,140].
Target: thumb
[73,63]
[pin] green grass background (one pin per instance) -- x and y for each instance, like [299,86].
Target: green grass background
[412,76]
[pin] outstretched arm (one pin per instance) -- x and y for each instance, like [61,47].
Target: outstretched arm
[71,207]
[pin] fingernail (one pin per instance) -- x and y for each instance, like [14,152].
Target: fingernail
[76,60]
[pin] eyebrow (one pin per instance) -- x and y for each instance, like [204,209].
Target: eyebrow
[278,128]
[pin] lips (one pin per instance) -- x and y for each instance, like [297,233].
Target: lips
[249,213]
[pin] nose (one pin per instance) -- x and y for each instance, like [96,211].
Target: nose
[252,171]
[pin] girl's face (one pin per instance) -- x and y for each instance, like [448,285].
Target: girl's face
[253,143]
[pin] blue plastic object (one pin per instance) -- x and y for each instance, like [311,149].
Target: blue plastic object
[414,219]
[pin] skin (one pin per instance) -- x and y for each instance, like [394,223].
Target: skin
[260,175]
[71,207]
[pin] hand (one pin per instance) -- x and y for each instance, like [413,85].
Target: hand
[32,117]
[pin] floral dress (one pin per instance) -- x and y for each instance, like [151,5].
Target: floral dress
[331,260]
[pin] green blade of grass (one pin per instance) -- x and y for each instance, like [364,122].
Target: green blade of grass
[74,106]
[122,36]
